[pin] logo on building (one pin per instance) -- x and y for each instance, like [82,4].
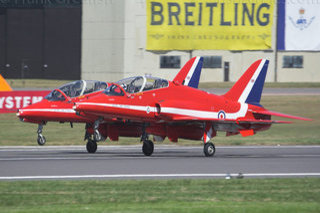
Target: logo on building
[302,22]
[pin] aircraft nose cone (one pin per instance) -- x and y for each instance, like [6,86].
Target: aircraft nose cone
[19,112]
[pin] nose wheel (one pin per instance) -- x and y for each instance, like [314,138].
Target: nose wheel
[41,139]
[91,146]
[93,138]
[147,147]
[209,149]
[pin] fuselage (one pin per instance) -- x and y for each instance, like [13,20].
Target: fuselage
[163,104]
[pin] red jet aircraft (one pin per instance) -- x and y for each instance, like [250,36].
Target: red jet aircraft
[57,106]
[169,109]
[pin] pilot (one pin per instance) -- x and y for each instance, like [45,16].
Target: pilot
[100,86]
[157,83]
[124,86]
[76,89]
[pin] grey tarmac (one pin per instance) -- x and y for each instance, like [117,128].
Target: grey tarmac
[167,161]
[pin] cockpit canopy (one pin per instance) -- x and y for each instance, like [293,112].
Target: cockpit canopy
[135,85]
[76,88]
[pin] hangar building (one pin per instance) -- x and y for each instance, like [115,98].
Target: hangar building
[106,40]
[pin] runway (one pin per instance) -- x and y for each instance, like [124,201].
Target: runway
[128,162]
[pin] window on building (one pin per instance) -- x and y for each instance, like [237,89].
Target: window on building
[170,61]
[292,61]
[212,62]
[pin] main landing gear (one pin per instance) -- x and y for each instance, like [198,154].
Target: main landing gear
[93,139]
[147,147]
[209,149]
[41,139]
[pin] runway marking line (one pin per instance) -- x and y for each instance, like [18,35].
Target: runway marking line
[161,176]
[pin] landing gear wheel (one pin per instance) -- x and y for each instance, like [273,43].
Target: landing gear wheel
[147,148]
[209,149]
[41,140]
[91,146]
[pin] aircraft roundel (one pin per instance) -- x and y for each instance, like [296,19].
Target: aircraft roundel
[148,109]
[221,114]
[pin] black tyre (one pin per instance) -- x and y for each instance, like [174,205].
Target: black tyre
[209,149]
[92,146]
[147,148]
[41,140]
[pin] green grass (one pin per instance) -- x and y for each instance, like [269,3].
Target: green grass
[44,83]
[15,132]
[185,195]
[301,132]
[36,83]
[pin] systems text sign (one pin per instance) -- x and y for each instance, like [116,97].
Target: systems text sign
[11,101]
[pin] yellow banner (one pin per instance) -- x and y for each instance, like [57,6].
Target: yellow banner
[209,24]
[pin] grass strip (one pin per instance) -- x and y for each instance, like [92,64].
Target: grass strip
[36,83]
[182,195]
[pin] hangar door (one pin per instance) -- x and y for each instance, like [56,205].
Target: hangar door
[40,42]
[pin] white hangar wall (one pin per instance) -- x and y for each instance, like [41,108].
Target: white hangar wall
[103,39]
[114,47]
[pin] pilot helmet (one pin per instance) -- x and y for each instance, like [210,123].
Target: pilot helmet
[124,86]
[77,85]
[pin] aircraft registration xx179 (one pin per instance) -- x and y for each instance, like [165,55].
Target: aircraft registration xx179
[170,109]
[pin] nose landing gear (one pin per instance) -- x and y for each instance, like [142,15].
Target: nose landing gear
[147,147]
[91,146]
[96,134]
[92,138]
[41,139]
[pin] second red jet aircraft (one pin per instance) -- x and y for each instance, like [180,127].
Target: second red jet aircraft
[170,109]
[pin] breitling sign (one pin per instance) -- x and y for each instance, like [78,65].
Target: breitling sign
[208,24]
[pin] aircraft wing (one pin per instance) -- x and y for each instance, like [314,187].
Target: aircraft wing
[226,121]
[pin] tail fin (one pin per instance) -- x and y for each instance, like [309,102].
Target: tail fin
[4,86]
[189,75]
[248,88]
